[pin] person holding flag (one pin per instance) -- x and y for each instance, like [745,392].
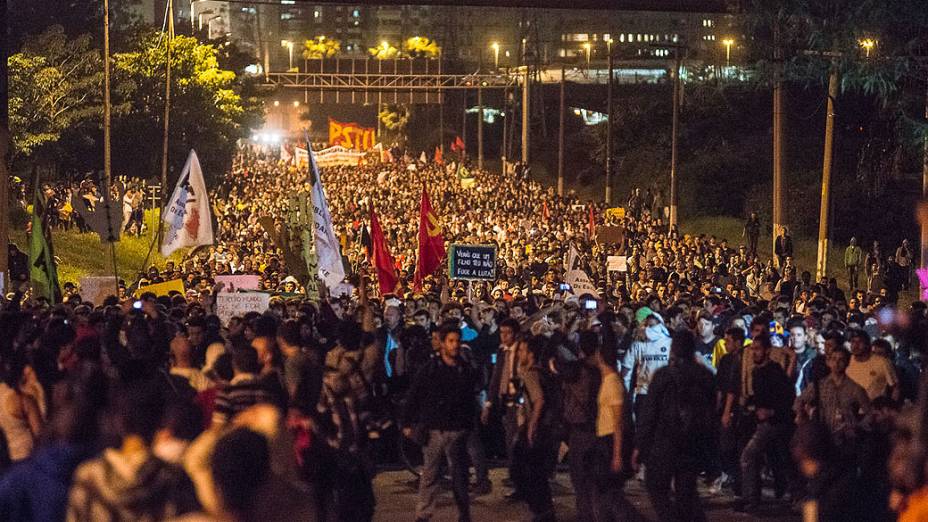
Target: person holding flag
[42,269]
[431,242]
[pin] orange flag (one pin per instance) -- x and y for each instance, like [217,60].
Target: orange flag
[381,257]
[439,160]
[431,242]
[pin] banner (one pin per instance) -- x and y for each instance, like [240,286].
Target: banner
[94,289]
[338,156]
[187,218]
[351,135]
[617,264]
[229,305]
[236,283]
[474,262]
[43,272]
[165,288]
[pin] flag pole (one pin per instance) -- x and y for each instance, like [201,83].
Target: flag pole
[167,117]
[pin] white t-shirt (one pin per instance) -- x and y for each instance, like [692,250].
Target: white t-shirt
[874,375]
[611,394]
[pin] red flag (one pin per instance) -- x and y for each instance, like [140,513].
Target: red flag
[431,242]
[592,222]
[460,143]
[438,156]
[381,258]
[545,213]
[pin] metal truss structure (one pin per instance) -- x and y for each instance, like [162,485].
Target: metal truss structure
[391,82]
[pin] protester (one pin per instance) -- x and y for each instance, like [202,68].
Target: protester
[344,367]
[676,431]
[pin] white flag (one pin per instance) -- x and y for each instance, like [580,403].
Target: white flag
[187,217]
[423,158]
[329,257]
[576,277]
[285,155]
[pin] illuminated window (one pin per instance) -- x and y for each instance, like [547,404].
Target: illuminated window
[639,37]
[356,13]
[622,38]
[317,14]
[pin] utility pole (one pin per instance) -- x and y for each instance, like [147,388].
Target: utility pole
[778,221]
[525,116]
[107,151]
[480,126]
[4,151]
[924,224]
[562,118]
[675,131]
[821,268]
[608,194]
[167,116]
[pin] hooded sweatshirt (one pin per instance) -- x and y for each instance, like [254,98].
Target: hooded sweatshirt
[645,357]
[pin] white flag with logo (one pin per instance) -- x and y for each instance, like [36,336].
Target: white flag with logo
[187,217]
[328,254]
[576,277]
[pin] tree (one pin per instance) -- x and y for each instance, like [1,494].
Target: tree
[208,112]
[394,118]
[321,47]
[54,85]
[384,51]
[422,47]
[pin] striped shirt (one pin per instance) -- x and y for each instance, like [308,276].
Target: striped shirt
[245,390]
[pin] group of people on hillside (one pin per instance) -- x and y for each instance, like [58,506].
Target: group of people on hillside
[698,363]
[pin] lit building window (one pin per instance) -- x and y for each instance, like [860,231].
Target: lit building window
[356,13]
[622,38]
[639,37]
[317,14]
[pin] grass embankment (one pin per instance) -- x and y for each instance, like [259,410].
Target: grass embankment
[82,255]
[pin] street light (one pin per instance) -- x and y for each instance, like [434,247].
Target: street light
[495,47]
[289,45]
[588,49]
[728,42]
[868,44]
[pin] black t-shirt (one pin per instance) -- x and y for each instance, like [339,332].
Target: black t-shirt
[773,391]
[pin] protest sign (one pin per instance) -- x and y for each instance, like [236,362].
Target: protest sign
[235,283]
[477,262]
[162,288]
[229,305]
[617,264]
[94,289]
[610,235]
[615,212]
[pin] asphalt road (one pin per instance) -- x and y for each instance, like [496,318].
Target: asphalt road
[396,502]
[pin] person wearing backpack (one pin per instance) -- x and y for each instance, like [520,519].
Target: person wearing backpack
[579,383]
[675,433]
[536,440]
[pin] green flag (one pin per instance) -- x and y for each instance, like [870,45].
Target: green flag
[42,269]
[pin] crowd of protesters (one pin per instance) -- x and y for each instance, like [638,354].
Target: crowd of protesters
[699,362]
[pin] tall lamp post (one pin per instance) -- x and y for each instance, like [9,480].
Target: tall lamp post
[608,192]
[728,42]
